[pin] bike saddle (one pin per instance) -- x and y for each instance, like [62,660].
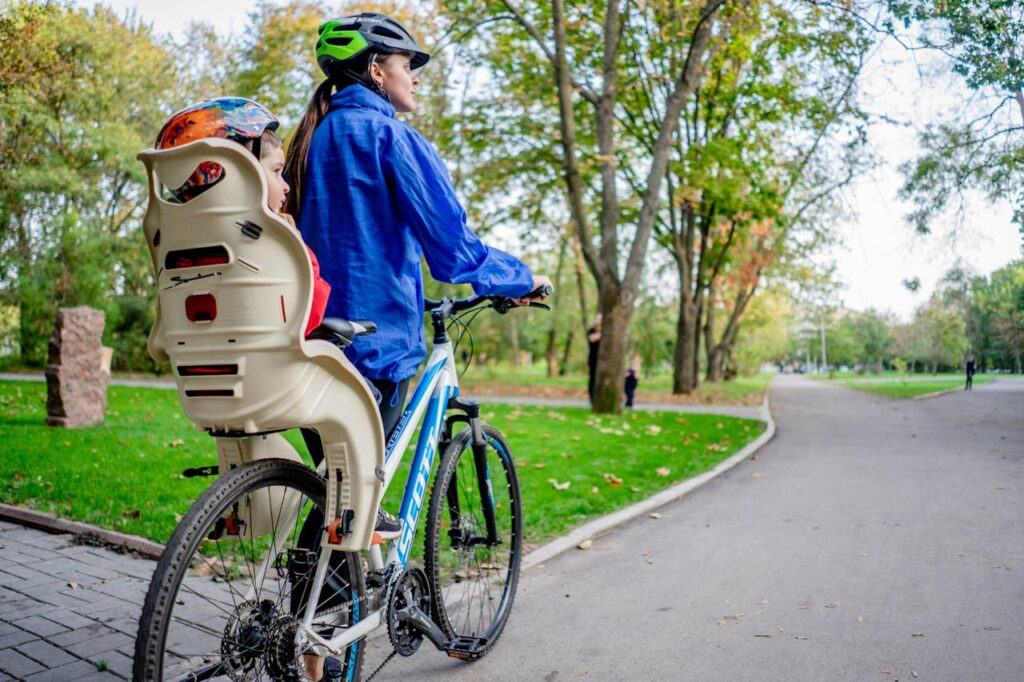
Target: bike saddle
[342,332]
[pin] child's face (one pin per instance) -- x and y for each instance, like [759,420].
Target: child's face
[277,188]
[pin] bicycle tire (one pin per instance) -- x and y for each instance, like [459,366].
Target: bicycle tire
[469,590]
[183,610]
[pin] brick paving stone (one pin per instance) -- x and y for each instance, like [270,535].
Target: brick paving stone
[23,608]
[67,600]
[92,647]
[45,653]
[40,626]
[100,677]
[72,671]
[129,625]
[81,634]
[117,662]
[20,571]
[7,525]
[18,666]
[131,589]
[68,619]
[15,638]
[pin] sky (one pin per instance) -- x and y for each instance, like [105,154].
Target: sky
[879,250]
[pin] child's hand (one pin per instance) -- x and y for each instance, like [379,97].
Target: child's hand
[287,217]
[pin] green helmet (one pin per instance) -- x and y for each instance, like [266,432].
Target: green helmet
[345,44]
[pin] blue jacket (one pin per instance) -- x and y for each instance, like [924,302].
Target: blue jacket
[376,199]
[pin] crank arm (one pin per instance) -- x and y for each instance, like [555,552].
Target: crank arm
[419,620]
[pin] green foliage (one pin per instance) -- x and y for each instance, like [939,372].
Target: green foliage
[995,318]
[977,149]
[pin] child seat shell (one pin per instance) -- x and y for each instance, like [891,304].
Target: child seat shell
[234,290]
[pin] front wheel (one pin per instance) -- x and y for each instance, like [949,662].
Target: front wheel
[232,585]
[474,539]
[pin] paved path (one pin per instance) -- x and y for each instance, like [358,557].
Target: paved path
[873,539]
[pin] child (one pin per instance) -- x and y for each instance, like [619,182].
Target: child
[253,126]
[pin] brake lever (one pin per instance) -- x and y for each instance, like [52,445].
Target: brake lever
[535,304]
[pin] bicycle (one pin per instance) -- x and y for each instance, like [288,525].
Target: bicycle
[460,601]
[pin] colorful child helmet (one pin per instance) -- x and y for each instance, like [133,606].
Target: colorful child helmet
[345,42]
[234,118]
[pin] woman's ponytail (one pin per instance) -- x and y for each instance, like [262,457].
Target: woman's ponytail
[298,149]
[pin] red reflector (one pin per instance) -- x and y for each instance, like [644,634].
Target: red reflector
[211,393]
[201,308]
[206,370]
[194,258]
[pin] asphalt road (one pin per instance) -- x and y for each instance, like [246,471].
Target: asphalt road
[873,539]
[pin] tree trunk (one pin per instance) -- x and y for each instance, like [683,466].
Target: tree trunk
[683,377]
[551,352]
[513,332]
[611,356]
[566,351]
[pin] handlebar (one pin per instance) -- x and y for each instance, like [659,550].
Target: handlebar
[447,306]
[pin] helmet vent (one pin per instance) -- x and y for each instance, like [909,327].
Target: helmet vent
[338,41]
[386,32]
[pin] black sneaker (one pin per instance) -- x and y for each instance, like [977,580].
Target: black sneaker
[387,528]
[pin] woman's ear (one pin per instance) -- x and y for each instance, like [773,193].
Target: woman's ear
[376,73]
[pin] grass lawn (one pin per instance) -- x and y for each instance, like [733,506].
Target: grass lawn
[533,380]
[126,473]
[898,385]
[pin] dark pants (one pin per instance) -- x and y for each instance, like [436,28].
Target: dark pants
[591,380]
[392,401]
[970,381]
[630,391]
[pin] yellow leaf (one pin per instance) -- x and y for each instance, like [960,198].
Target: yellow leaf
[586,544]
[559,486]
[663,471]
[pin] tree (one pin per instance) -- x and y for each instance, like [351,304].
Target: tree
[999,301]
[873,339]
[580,47]
[981,149]
[80,93]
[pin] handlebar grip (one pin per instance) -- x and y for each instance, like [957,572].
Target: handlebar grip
[543,290]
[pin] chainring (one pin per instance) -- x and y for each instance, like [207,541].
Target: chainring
[411,588]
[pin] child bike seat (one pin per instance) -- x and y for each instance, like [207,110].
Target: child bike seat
[234,291]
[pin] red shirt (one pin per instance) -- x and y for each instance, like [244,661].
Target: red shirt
[321,290]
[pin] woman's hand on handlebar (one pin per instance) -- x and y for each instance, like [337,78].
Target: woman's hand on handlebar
[542,288]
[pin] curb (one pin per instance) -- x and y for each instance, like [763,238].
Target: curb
[54,524]
[607,523]
[936,394]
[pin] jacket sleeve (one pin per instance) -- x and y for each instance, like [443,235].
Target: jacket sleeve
[427,203]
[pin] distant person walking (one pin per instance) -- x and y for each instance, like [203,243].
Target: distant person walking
[970,373]
[632,379]
[594,342]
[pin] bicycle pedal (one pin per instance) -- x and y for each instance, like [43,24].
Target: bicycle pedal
[467,648]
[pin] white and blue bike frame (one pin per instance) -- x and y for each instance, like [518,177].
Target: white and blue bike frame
[439,383]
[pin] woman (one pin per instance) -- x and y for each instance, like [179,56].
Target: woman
[372,198]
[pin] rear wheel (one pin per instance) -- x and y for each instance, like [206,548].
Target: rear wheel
[473,554]
[232,585]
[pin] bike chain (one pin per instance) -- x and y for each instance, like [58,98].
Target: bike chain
[394,652]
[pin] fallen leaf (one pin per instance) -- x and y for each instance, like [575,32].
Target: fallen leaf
[559,486]
[132,514]
[917,634]
[586,544]
[539,465]
[913,673]
[595,489]
[799,637]
[662,471]
[612,479]
[653,430]
[577,438]
[719,425]
[177,442]
[758,474]
[763,634]
[655,515]
[833,605]
[634,488]
[73,585]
